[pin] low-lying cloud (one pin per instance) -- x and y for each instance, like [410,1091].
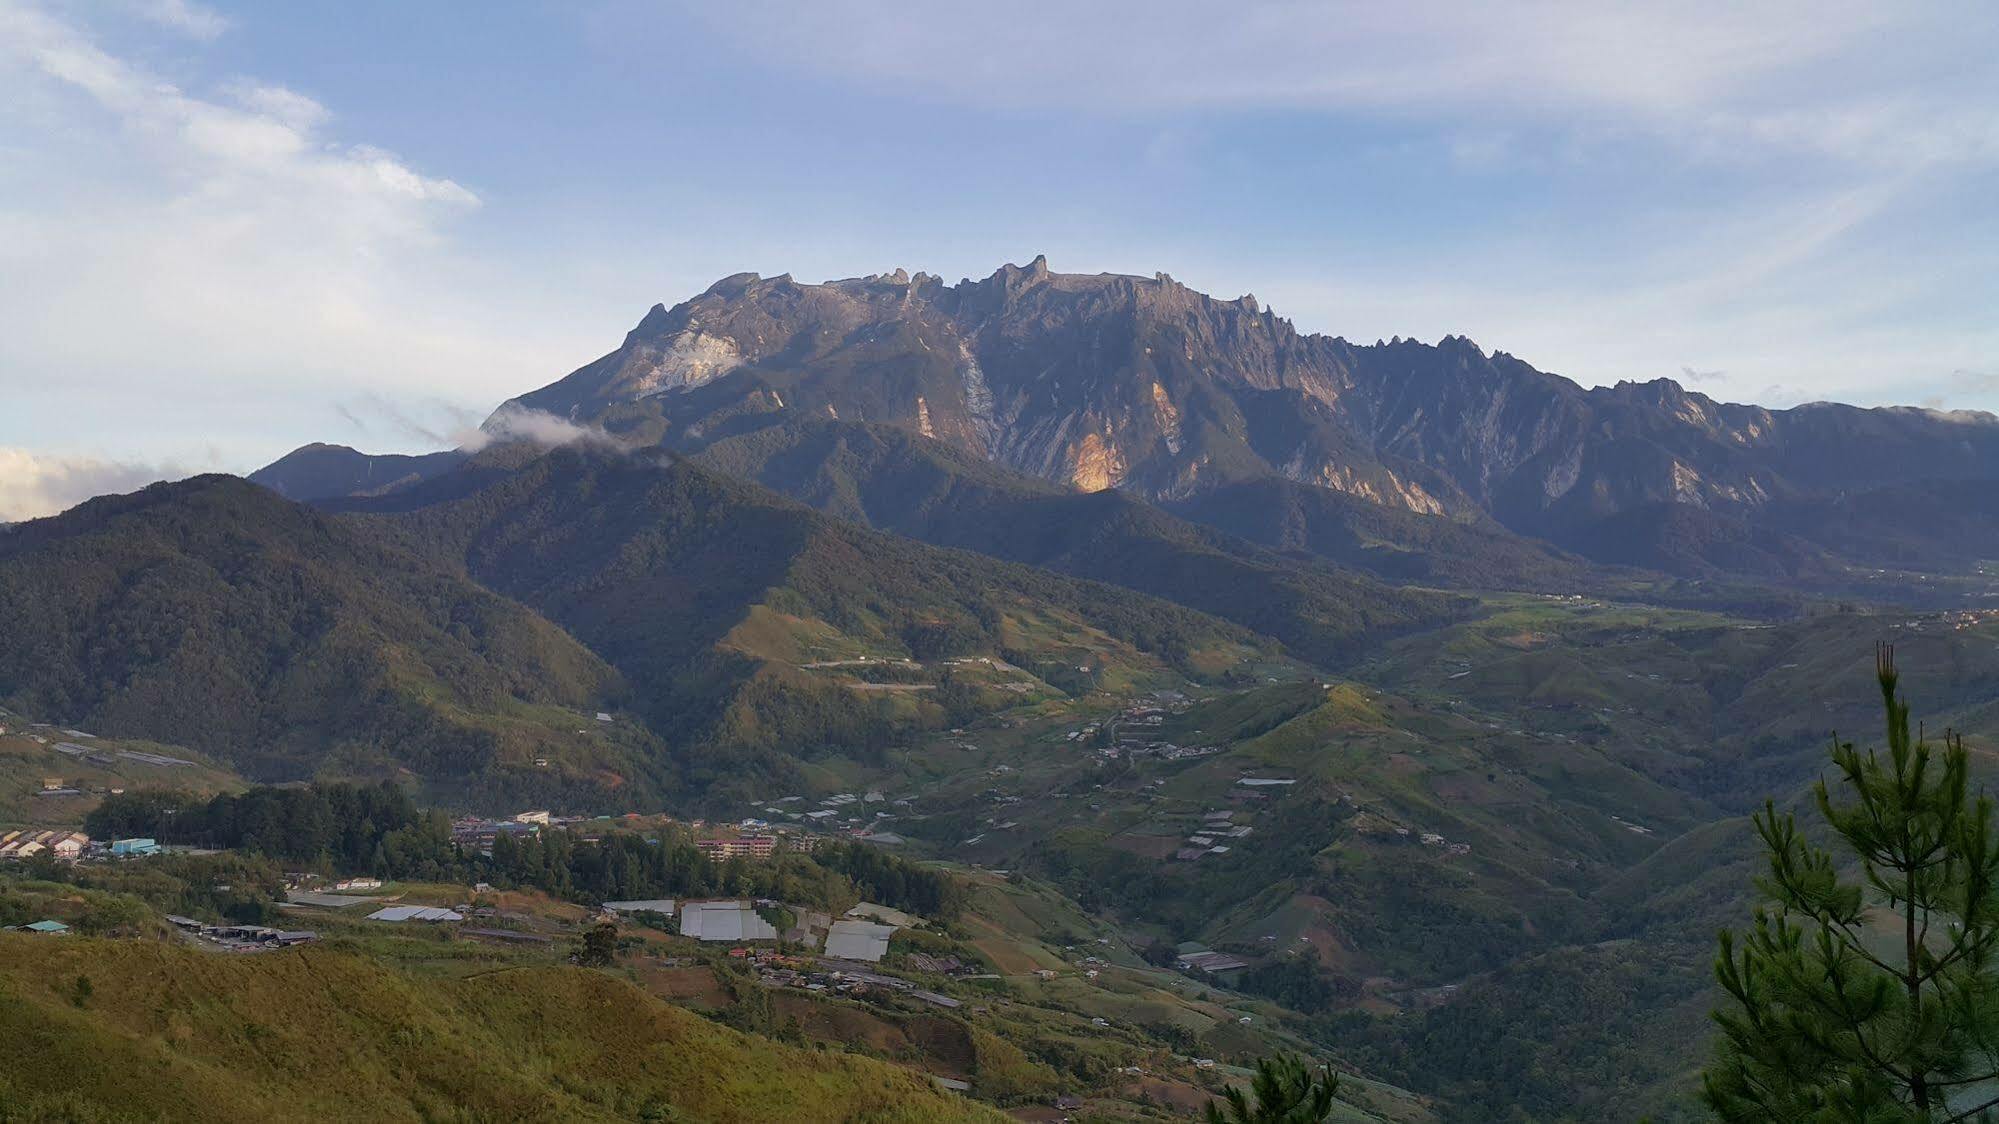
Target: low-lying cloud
[514,422]
[33,484]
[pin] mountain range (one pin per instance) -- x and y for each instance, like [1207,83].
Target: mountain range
[1227,414]
[1478,669]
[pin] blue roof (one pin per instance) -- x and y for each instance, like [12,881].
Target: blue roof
[49,927]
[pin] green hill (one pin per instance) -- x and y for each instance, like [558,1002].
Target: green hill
[215,615]
[161,1032]
[771,633]
[894,480]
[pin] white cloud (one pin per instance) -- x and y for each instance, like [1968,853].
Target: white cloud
[33,485]
[1848,78]
[198,21]
[512,422]
[191,255]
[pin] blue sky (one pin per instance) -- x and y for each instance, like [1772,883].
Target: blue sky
[229,229]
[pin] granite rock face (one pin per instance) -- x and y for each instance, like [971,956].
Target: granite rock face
[1142,384]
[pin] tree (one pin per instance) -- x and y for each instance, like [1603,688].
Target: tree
[1873,999]
[1284,1092]
[599,948]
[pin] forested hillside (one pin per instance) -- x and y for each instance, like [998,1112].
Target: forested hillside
[216,615]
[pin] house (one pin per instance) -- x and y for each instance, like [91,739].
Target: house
[743,846]
[130,848]
[52,928]
[62,844]
[540,818]
[358,884]
[478,835]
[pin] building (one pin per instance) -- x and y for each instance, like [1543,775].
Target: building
[358,884]
[864,941]
[475,834]
[743,846]
[1210,962]
[895,918]
[52,928]
[415,913]
[23,844]
[662,906]
[132,848]
[724,921]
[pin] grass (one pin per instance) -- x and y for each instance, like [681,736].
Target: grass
[169,1032]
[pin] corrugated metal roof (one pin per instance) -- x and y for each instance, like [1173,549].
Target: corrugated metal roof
[648,905]
[415,913]
[724,921]
[858,940]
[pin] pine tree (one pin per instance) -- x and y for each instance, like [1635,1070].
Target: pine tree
[1874,999]
[1282,1092]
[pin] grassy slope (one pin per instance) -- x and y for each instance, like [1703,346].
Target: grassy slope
[173,1033]
[27,764]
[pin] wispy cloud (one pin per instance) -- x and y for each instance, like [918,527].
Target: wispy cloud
[519,423]
[1836,76]
[188,17]
[426,421]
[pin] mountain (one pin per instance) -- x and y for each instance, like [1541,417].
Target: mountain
[898,481]
[1145,385]
[317,472]
[1392,543]
[771,633]
[213,614]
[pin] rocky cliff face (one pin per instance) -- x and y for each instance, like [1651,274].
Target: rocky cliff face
[1143,384]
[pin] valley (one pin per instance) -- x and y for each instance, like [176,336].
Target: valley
[1212,703]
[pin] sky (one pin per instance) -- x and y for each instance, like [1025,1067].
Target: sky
[230,229]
